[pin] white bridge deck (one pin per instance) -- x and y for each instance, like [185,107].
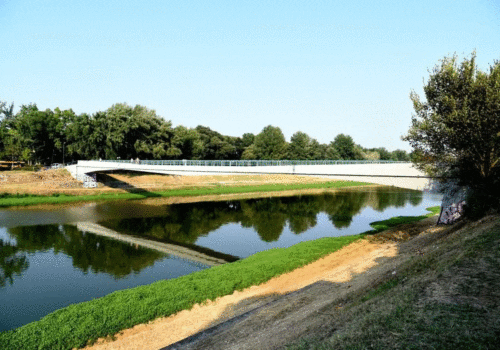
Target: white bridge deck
[398,174]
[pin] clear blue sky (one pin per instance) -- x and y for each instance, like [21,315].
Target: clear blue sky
[321,67]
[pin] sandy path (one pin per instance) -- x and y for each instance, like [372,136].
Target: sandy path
[338,267]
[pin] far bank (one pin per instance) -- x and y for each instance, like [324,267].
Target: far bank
[58,187]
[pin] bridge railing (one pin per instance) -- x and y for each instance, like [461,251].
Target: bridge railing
[247,163]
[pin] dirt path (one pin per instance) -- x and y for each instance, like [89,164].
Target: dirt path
[277,312]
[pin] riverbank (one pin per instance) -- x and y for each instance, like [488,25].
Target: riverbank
[75,325]
[58,187]
[410,287]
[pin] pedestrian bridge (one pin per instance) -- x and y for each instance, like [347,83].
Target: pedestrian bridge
[390,173]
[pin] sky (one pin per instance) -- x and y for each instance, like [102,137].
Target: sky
[320,67]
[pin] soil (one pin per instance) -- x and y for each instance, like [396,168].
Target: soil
[48,182]
[287,307]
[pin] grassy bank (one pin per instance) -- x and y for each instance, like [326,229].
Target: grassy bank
[446,297]
[379,226]
[9,200]
[76,325]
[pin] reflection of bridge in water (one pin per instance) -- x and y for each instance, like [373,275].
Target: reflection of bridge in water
[205,257]
[398,174]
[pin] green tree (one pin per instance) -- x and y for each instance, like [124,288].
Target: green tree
[86,136]
[249,153]
[384,153]
[247,139]
[400,155]
[6,111]
[216,145]
[270,143]
[456,130]
[299,146]
[346,148]
[32,135]
[186,143]
[331,152]
[303,147]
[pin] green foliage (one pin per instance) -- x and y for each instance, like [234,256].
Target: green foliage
[303,147]
[6,111]
[270,144]
[455,132]
[379,226]
[249,153]
[218,146]
[400,155]
[186,144]
[346,148]
[126,132]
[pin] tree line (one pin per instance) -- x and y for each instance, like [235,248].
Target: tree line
[125,132]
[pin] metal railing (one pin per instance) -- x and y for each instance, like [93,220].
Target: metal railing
[247,163]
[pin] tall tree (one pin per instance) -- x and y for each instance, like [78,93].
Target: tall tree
[456,130]
[346,148]
[270,143]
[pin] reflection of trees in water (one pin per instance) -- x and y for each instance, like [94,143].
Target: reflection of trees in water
[186,222]
[12,262]
[88,252]
[395,197]
[341,207]
[265,216]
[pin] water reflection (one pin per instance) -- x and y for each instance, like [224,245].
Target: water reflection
[185,224]
[12,262]
[89,253]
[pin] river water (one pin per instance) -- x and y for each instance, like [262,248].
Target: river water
[51,258]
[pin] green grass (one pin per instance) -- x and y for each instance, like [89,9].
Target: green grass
[379,226]
[9,200]
[448,298]
[76,325]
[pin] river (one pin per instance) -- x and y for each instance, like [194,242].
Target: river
[51,258]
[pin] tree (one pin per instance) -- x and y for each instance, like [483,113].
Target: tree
[400,155]
[216,145]
[270,143]
[249,153]
[6,111]
[346,148]
[186,144]
[32,135]
[456,130]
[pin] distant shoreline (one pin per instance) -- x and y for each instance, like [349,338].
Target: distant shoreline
[28,199]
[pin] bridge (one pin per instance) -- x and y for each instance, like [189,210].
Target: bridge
[390,173]
[186,253]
